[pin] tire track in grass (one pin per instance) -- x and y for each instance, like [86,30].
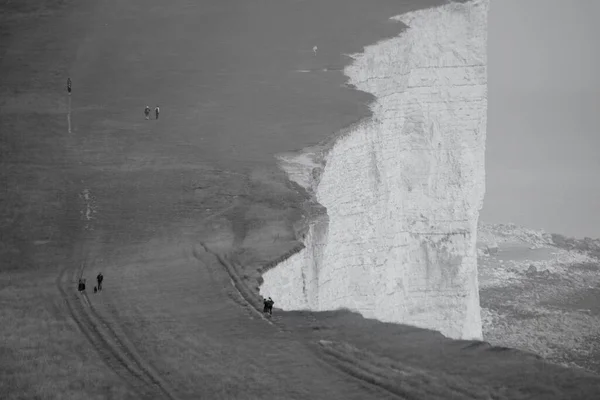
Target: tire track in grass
[407,382]
[115,349]
[328,360]
[113,360]
[120,357]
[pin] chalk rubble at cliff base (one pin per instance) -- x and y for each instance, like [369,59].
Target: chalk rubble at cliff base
[402,189]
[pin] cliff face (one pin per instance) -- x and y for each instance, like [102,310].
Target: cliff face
[402,190]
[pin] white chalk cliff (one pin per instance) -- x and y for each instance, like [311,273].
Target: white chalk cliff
[403,189]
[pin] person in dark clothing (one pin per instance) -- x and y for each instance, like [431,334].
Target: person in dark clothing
[269,305]
[100,278]
[69,85]
[265,305]
[156,111]
[80,285]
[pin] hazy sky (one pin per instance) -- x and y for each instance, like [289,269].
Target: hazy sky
[543,148]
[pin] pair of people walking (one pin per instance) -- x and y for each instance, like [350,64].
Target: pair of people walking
[147,112]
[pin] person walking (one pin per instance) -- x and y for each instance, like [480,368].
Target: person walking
[156,111]
[147,112]
[99,279]
[69,85]
[80,285]
[269,304]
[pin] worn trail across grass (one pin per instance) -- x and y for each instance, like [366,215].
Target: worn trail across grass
[114,349]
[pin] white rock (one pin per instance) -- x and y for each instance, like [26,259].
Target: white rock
[408,183]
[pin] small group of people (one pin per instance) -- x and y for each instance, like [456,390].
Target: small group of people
[99,279]
[268,306]
[147,112]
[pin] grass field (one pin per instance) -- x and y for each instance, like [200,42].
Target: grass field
[89,186]
[43,355]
